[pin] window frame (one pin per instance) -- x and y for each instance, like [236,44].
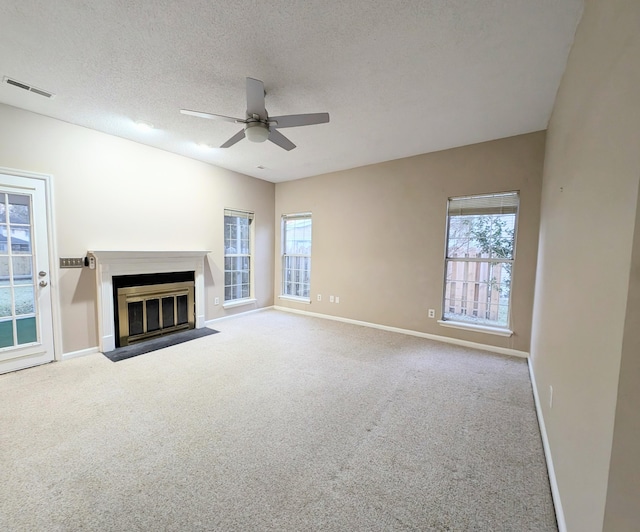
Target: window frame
[241,300]
[485,325]
[283,257]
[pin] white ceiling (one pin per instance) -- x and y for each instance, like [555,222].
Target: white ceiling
[399,78]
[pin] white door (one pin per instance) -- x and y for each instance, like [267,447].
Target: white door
[26,327]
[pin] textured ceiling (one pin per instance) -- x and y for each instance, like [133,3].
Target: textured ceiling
[398,78]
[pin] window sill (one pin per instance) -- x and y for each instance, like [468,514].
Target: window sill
[238,302]
[304,300]
[498,331]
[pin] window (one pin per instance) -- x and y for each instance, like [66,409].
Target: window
[296,255]
[237,255]
[481,232]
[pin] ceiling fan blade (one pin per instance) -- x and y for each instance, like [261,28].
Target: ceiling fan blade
[210,115]
[236,138]
[278,138]
[255,98]
[299,120]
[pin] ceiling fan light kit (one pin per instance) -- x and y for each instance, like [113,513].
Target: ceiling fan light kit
[256,131]
[258,126]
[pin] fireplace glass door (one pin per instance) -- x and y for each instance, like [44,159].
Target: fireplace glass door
[152,310]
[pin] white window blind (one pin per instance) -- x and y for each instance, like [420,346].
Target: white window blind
[296,216]
[503,203]
[239,214]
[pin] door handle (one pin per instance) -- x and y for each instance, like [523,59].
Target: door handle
[43,283]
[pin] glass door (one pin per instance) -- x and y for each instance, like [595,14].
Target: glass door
[26,328]
[18,325]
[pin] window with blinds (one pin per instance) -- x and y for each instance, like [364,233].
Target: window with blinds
[481,236]
[296,255]
[238,247]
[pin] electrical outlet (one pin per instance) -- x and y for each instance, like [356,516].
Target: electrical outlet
[432,313]
[319,297]
[216,301]
[330,299]
[337,299]
[550,396]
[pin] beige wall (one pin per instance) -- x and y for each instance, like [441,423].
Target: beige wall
[622,511]
[379,232]
[588,212]
[114,194]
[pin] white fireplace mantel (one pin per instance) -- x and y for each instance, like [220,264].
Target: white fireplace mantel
[114,263]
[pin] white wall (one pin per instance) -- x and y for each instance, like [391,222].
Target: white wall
[114,194]
[588,212]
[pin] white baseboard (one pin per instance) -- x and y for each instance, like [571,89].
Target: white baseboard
[555,492]
[80,353]
[438,338]
[214,320]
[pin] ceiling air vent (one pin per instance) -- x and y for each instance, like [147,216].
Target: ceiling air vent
[26,87]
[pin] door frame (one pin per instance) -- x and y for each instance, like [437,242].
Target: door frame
[47,179]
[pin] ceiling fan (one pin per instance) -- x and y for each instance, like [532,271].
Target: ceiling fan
[258,125]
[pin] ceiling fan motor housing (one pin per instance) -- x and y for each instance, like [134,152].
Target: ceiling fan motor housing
[256,131]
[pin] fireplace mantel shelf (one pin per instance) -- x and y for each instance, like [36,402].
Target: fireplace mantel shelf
[111,255]
[109,263]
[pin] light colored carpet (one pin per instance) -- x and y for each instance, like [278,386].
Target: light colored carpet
[280,422]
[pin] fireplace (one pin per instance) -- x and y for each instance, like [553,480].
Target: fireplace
[151,305]
[146,269]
